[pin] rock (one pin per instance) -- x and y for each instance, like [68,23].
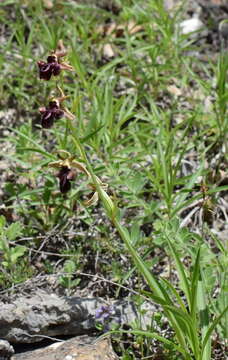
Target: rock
[46,314]
[6,350]
[79,348]
[190,25]
[28,318]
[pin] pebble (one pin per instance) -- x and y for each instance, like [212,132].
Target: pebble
[190,25]
[6,350]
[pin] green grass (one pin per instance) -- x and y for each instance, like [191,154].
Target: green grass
[151,123]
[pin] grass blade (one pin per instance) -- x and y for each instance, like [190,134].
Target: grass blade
[211,329]
[181,272]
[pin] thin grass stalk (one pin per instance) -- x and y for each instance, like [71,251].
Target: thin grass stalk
[204,319]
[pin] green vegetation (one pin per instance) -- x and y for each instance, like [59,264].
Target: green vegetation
[148,136]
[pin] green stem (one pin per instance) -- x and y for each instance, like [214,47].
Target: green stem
[112,212]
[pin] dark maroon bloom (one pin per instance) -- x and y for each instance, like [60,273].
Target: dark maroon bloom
[51,113]
[49,68]
[53,65]
[65,176]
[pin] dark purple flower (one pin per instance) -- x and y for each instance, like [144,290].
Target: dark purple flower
[51,113]
[65,176]
[49,68]
[53,66]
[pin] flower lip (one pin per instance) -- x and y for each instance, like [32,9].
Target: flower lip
[56,68]
[45,70]
[65,175]
[51,113]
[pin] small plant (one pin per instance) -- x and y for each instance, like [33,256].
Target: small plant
[67,279]
[11,253]
[106,319]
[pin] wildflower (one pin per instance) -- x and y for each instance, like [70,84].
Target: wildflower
[49,68]
[54,111]
[51,113]
[104,313]
[53,65]
[67,172]
[107,317]
[65,175]
[67,165]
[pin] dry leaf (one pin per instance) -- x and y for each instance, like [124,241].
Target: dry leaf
[133,28]
[118,30]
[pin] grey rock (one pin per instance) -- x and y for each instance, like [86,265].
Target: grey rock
[79,348]
[6,350]
[190,25]
[29,319]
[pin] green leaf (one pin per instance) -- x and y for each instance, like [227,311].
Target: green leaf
[90,135]
[14,230]
[16,253]
[5,264]
[2,222]
[154,298]
[45,153]
[181,272]
[69,266]
[175,293]
[155,336]
[217,189]
[212,327]
[29,139]
[203,317]
[181,201]
[194,285]
[136,183]
[185,321]
[157,289]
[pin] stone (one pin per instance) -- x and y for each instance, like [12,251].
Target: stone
[78,348]
[190,25]
[6,350]
[29,319]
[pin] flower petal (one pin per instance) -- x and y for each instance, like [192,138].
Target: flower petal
[92,201]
